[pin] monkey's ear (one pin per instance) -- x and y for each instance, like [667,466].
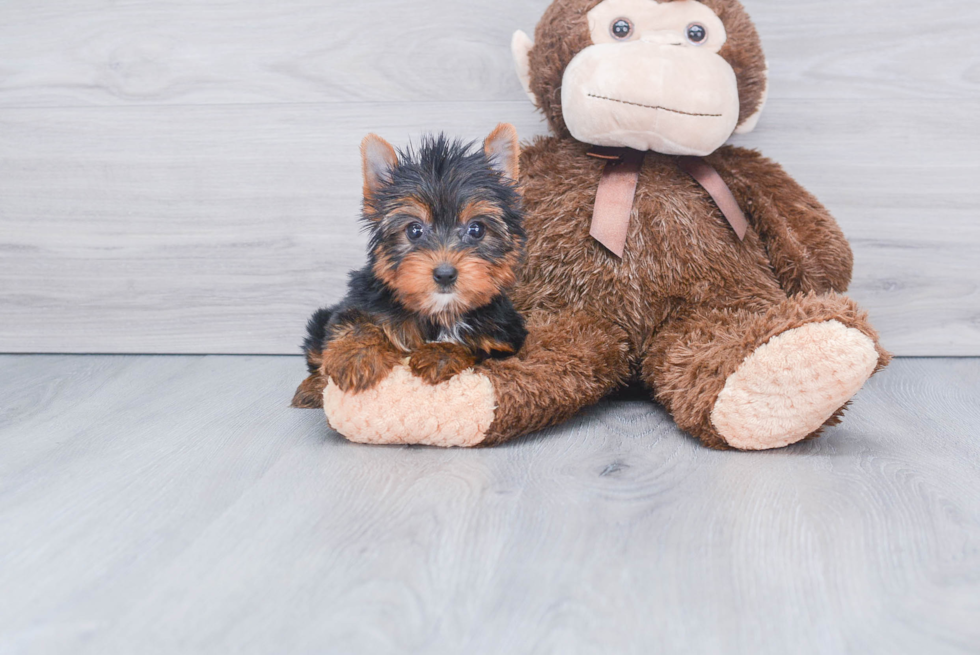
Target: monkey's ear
[749,123]
[378,158]
[503,149]
[520,47]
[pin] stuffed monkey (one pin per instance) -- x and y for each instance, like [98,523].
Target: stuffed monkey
[655,252]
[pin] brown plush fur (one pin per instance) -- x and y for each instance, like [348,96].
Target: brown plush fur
[563,32]
[570,360]
[687,303]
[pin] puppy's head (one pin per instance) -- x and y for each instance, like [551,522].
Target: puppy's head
[445,221]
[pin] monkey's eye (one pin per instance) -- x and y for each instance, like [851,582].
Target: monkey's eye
[621,28]
[476,230]
[696,33]
[415,231]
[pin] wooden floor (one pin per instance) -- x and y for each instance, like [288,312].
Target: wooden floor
[175,505]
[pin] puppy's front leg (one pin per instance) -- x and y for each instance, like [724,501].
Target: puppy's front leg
[359,356]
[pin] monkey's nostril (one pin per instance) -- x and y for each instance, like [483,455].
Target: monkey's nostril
[445,274]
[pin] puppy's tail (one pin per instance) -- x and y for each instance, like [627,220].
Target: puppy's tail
[309,395]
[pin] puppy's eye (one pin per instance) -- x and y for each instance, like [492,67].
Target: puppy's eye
[415,231]
[621,28]
[696,33]
[476,231]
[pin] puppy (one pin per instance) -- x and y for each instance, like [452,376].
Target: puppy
[446,237]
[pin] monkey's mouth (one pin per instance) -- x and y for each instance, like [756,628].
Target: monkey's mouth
[657,107]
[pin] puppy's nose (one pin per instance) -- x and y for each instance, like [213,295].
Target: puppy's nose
[445,274]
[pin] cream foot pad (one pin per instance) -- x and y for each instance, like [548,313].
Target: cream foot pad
[789,387]
[405,410]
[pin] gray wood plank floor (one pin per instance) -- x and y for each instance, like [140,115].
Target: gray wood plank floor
[175,505]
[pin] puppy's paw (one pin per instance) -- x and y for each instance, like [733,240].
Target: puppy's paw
[439,362]
[358,365]
[309,395]
[367,372]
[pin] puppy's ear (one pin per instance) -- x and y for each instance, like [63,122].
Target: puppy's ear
[378,158]
[503,149]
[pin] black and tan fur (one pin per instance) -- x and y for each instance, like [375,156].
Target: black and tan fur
[446,238]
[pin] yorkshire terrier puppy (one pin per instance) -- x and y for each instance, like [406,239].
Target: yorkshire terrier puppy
[446,228]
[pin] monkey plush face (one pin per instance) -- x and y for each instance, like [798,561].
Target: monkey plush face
[676,77]
[652,80]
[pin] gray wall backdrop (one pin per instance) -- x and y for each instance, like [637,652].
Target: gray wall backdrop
[182,176]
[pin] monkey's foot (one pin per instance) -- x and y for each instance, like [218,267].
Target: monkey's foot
[404,409]
[790,387]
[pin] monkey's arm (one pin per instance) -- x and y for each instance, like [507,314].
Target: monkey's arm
[806,247]
[569,361]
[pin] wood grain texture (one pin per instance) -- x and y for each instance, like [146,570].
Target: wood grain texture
[190,229]
[220,229]
[161,505]
[84,52]
[181,177]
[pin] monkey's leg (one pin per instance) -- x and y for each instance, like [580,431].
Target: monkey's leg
[568,361]
[755,380]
